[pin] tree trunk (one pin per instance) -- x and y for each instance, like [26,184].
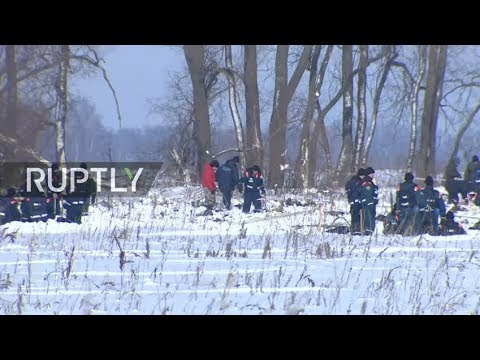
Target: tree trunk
[345,162]
[319,132]
[437,58]
[416,92]
[376,104]
[254,150]
[361,106]
[232,97]
[277,121]
[302,165]
[195,57]
[11,174]
[62,102]
[284,91]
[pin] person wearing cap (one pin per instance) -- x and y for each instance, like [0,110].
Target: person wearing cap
[352,188]
[472,175]
[228,178]
[434,207]
[209,184]
[407,199]
[368,201]
[253,182]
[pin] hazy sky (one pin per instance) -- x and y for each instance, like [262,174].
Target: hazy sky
[137,72]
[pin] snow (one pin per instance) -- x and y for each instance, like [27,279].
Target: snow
[278,262]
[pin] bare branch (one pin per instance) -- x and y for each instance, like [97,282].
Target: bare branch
[96,63]
[8,140]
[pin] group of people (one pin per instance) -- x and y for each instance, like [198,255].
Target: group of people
[226,178]
[416,210]
[33,205]
[362,196]
[466,189]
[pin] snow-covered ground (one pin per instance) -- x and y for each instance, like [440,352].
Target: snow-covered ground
[158,256]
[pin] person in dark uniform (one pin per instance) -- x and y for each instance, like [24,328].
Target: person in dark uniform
[448,226]
[472,175]
[353,188]
[369,201]
[34,206]
[454,183]
[53,197]
[434,208]
[89,190]
[74,201]
[253,183]
[227,178]
[407,195]
[12,211]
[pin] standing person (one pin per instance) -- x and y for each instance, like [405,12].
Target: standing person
[54,196]
[74,201]
[369,201]
[89,190]
[472,175]
[34,206]
[407,195]
[434,208]
[12,212]
[353,188]
[253,182]
[453,184]
[209,184]
[227,178]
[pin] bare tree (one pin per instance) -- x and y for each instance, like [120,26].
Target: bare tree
[437,59]
[195,57]
[361,106]
[345,162]
[391,54]
[416,91]
[254,145]
[284,90]
[232,97]
[302,165]
[62,102]
[10,126]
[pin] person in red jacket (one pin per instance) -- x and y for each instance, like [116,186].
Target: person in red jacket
[209,184]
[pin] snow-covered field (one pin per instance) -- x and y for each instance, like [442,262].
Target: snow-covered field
[157,256]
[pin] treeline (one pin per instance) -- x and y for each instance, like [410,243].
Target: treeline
[302,112]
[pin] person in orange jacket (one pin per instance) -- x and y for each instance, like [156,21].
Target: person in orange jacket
[209,184]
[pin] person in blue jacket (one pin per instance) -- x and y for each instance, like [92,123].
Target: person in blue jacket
[254,185]
[227,178]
